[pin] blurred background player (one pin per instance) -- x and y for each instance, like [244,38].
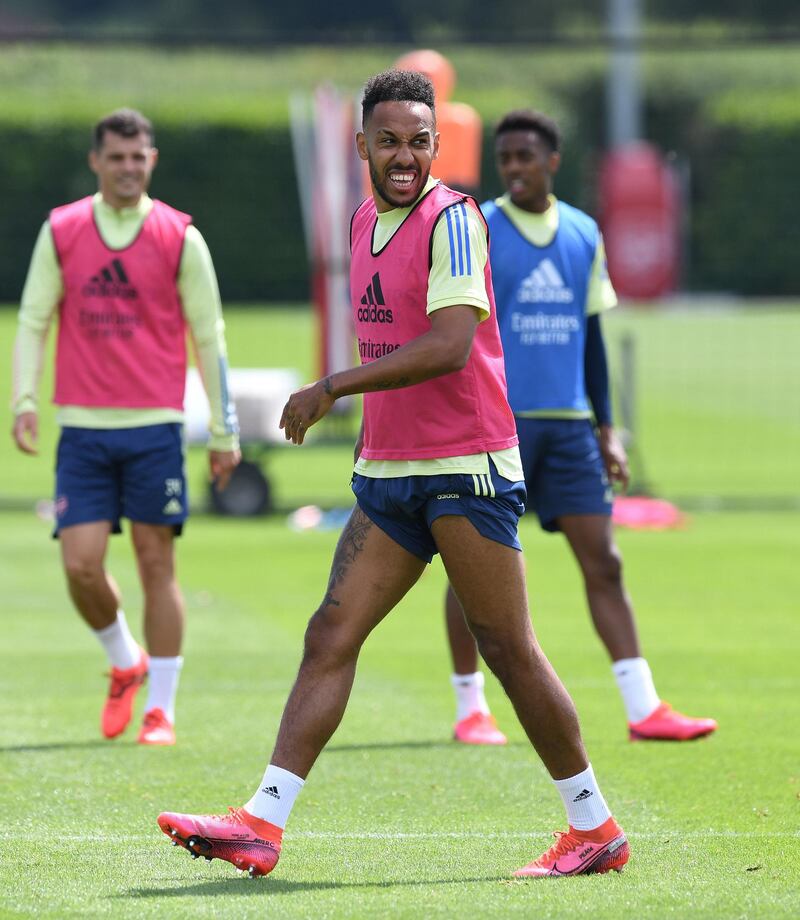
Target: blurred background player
[126,273]
[438,471]
[551,285]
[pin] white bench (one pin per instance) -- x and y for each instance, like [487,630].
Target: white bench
[260,393]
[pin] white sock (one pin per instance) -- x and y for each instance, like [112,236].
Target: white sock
[469,694]
[163,685]
[275,796]
[586,807]
[636,685]
[122,649]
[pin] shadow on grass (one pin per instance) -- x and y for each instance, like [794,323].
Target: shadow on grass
[404,746]
[63,746]
[246,887]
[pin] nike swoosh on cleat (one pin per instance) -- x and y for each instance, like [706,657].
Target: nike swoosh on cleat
[611,847]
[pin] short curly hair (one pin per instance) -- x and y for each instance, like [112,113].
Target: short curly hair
[528,120]
[396,86]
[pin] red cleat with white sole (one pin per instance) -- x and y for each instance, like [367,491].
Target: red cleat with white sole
[247,842]
[118,708]
[156,728]
[479,728]
[665,724]
[581,853]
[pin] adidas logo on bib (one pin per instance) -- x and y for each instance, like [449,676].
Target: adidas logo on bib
[545,285]
[111,280]
[173,506]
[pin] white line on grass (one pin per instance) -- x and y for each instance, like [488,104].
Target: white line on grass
[422,835]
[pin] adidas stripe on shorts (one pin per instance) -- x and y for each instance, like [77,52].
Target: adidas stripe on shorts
[405,507]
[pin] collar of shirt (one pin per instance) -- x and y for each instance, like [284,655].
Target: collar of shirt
[538,229]
[119,226]
[390,221]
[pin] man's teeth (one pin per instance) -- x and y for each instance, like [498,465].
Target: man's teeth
[402,177]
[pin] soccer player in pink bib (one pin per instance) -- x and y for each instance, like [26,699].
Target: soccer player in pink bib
[437,471]
[126,274]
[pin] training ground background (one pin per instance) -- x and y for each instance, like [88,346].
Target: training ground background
[396,820]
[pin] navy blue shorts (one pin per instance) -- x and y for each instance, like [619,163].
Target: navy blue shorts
[405,507]
[105,474]
[563,469]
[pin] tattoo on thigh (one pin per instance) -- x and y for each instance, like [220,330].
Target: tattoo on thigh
[351,543]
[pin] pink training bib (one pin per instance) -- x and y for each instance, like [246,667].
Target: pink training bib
[121,336]
[462,413]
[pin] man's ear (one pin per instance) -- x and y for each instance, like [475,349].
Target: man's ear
[361,145]
[553,162]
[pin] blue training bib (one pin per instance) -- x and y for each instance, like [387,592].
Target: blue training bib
[540,294]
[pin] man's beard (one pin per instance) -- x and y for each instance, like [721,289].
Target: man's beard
[382,192]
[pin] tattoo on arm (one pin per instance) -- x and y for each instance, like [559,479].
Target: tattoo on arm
[393,384]
[351,543]
[327,385]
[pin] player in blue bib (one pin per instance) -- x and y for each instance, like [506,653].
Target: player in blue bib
[551,285]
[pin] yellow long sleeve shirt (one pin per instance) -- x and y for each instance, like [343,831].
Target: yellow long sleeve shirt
[202,308]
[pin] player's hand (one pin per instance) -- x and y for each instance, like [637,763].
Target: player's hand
[221,464]
[305,408]
[26,432]
[614,456]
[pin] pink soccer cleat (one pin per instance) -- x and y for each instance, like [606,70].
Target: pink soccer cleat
[664,724]
[479,728]
[581,853]
[247,842]
[118,708]
[156,728]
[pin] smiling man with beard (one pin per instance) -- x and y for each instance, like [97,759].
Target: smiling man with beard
[126,275]
[437,471]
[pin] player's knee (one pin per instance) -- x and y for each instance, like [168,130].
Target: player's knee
[82,570]
[503,652]
[155,567]
[328,638]
[605,570]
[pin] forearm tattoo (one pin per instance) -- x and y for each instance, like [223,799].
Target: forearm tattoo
[350,544]
[393,384]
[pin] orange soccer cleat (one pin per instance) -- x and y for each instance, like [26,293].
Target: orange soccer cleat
[665,724]
[581,853]
[247,842]
[118,708]
[156,728]
[479,728]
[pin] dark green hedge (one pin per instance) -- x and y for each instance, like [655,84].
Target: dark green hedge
[240,186]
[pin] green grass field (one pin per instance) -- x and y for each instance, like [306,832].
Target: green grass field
[396,821]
